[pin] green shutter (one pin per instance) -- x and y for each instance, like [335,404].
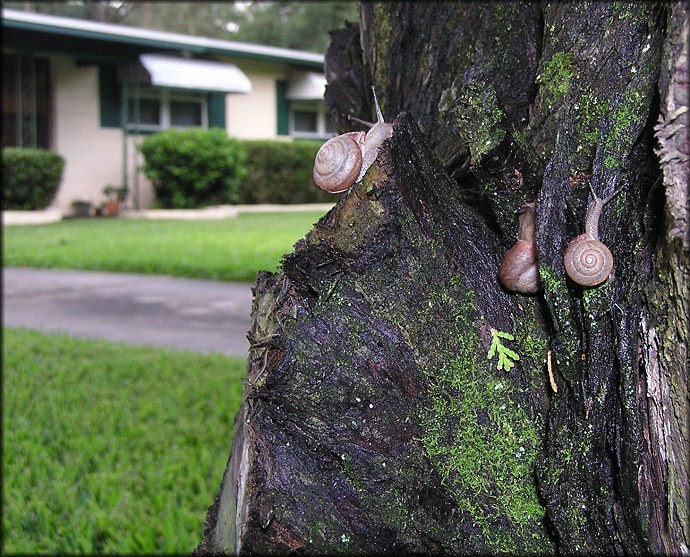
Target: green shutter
[216,110]
[110,97]
[283,109]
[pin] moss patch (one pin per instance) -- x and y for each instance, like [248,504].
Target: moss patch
[555,75]
[478,116]
[484,447]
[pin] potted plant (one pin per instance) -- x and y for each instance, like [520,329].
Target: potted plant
[81,208]
[116,195]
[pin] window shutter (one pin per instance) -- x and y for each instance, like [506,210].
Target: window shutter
[110,97]
[216,110]
[283,109]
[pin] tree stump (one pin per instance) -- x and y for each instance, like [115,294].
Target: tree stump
[398,398]
[369,352]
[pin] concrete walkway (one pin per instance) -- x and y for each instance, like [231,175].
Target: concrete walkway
[199,315]
[216,212]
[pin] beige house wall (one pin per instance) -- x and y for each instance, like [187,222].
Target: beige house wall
[97,162]
[254,115]
[93,154]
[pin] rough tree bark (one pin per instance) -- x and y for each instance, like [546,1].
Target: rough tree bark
[374,419]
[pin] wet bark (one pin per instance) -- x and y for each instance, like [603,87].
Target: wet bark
[385,408]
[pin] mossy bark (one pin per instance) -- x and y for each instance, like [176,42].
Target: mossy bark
[377,417]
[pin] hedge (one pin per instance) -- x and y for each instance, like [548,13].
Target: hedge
[281,172]
[30,178]
[193,167]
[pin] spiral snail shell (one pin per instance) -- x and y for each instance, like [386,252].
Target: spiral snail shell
[586,260]
[519,270]
[344,160]
[338,162]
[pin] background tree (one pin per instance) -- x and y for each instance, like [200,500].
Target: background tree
[297,25]
[398,397]
[101,11]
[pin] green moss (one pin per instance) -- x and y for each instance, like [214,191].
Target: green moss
[551,282]
[590,112]
[475,433]
[383,27]
[477,436]
[479,117]
[535,347]
[596,302]
[483,446]
[624,10]
[626,117]
[555,76]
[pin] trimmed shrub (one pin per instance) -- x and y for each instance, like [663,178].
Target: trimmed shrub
[30,178]
[193,167]
[281,172]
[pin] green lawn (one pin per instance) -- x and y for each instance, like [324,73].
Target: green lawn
[229,249]
[110,448]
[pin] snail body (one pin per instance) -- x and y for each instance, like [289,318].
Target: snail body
[587,260]
[519,270]
[344,160]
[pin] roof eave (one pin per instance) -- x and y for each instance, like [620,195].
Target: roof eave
[162,40]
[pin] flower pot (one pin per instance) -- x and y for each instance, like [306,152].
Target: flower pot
[112,208]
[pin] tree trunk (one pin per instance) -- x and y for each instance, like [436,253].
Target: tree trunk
[398,397]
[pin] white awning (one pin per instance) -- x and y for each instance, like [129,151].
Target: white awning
[201,75]
[306,86]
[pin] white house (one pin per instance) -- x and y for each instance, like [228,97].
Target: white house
[90,91]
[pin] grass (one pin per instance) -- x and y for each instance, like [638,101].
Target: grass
[229,249]
[110,448]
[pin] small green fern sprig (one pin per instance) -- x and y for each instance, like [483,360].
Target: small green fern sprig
[506,357]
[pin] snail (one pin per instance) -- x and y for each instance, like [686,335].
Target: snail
[518,270]
[345,159]
[586,260]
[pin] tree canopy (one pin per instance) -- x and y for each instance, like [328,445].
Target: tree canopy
[296,25]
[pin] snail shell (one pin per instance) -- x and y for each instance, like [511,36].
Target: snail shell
[587,261]
[519,270]
[338,162]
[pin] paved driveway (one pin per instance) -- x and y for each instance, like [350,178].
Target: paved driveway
[200,315]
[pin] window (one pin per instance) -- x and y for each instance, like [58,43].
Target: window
[26,105]
[185,113]
[159,109]
[310,120]
[149,112]
[304,121]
